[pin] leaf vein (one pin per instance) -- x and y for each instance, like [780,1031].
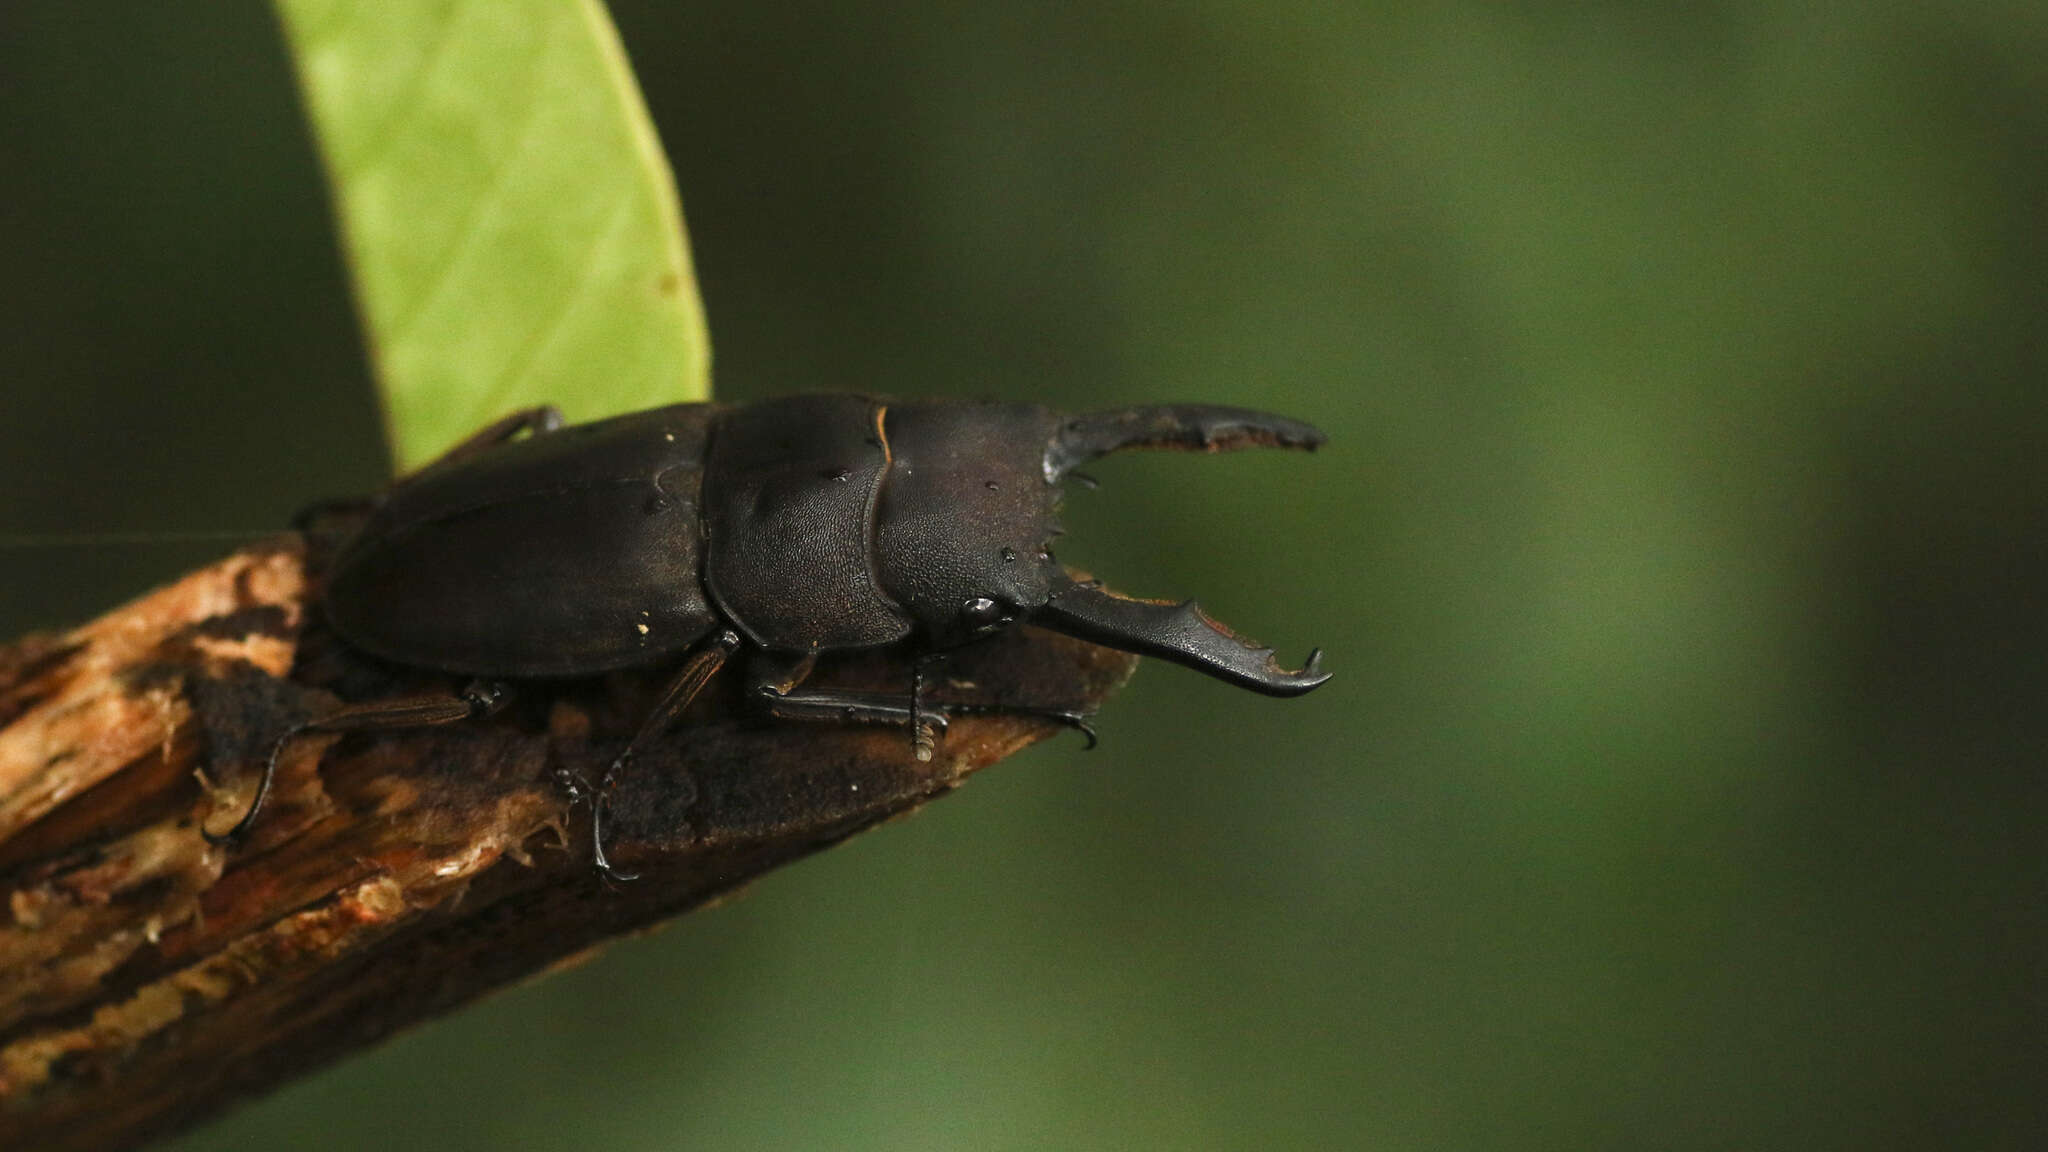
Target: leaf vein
[469,235]
[529,357]
[403,102]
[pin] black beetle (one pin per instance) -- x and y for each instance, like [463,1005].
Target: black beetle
[795,526]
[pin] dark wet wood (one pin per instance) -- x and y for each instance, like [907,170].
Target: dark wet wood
[149,978]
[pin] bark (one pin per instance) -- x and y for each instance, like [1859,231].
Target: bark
[149,978]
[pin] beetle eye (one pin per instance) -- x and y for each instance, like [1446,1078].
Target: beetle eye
[981,612]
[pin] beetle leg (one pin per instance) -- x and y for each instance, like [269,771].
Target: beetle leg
[479,698]
[777,673]
[777,676]
[924,736]
[776,690]
[689,680]
[844,706]
[539,420]
[1066,718]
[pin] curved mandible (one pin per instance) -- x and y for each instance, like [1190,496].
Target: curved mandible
[1190,427]
[1179,632]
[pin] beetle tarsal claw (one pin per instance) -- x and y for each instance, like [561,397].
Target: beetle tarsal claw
[1190,427]
[1181,632]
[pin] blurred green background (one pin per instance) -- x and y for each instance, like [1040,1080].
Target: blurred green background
[1681,550]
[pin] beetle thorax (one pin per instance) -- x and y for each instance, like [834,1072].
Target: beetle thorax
[837,522]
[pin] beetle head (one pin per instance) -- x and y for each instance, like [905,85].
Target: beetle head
[967,517]
[964,527]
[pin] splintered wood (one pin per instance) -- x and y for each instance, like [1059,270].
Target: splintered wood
[148,978]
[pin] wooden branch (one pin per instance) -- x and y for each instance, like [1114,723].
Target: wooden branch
[149,978]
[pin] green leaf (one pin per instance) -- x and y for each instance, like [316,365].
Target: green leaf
[508,215]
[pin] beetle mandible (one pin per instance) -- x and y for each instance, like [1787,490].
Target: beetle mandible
[790,527]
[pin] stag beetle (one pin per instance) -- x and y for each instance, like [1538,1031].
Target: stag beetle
[791,527]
